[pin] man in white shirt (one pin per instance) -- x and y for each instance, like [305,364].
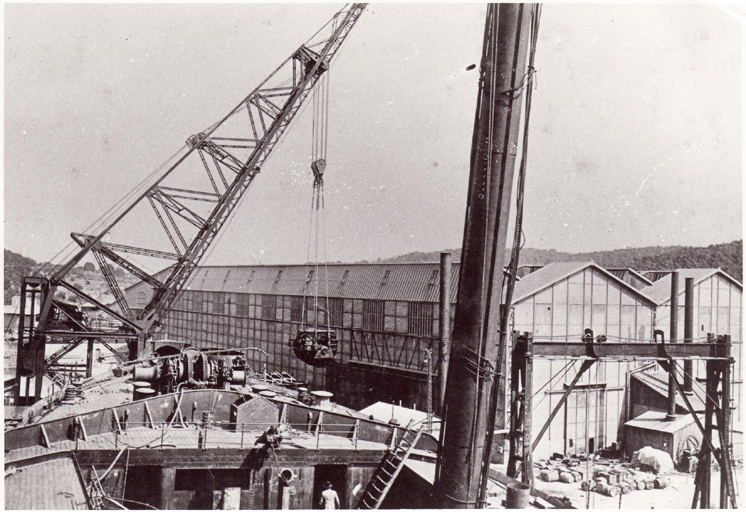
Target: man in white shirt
[329,498]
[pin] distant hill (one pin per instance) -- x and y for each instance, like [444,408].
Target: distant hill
[15,266]
[727,256]
[86,277]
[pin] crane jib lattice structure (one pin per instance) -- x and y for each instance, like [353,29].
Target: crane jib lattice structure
[716,353]
[186,206]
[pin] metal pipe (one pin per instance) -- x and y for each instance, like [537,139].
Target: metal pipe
[673,338]
[89,359]
[688,331]
[444,324]
[476,322]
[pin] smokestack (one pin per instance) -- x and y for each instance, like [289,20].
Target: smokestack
[673,338]
[444,322]
[688,331]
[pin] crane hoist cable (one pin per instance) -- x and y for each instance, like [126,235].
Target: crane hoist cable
[316,342]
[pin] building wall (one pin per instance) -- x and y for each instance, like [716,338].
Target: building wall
[373,335]
[384,358]
[587,299]
[717,310]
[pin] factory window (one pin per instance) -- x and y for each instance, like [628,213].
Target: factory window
[420,318]
[242,305]
[142,299]
[198,298]
[336,312]
[218,303]
[373,315]
[296,309]
[269,307]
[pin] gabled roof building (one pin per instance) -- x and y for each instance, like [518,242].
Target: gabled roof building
[386,318]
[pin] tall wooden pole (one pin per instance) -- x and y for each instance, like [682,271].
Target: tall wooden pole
[476,323]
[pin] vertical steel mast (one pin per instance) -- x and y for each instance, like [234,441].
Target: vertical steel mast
[475,332]
[178,216]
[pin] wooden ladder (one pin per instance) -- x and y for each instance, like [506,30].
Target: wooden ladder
[384,477]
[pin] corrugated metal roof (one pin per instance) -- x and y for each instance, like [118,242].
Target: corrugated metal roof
[654,420]
[50,485]
[554,272]
[660,291]
[414,282]
[657,382]
[635,278]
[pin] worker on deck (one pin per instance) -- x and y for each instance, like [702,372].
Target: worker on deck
[329,498]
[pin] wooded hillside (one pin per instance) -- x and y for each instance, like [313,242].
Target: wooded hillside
[727,256]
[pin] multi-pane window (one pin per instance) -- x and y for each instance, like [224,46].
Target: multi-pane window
[218,303]
[373,315]
[296,309]
[198,300]
[242,305]
[420,318]
[269,307]
[336,312]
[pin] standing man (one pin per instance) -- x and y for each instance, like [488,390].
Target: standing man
[329,497]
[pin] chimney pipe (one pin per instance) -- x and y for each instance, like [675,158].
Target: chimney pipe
[673,338]
[444,322]
[688,331]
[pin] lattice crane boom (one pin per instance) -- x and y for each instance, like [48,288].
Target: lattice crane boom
[190,202]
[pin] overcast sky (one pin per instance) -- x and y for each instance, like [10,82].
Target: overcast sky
[635,132]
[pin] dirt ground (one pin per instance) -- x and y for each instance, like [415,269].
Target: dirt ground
[677,496]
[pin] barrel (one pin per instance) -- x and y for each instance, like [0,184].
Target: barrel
[661,482]
[549,475]
[517,496]
[649,484]
[566,477]
[587,485]
[626,488]
[640,485]
[601,480]
[608,490]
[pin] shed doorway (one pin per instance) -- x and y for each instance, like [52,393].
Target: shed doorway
[585,420]
[336,474]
